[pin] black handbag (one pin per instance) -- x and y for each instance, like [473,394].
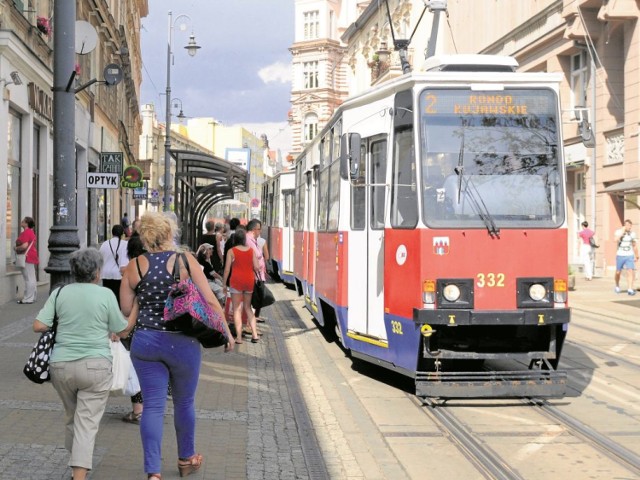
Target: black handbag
[262,296]
[187,311]
[37,366]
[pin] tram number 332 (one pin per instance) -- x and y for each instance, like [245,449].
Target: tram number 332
[490,280]
[396,327]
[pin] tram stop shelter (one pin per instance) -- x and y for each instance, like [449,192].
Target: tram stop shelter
[201,181]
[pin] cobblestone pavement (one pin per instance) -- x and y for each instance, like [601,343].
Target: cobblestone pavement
[248,409]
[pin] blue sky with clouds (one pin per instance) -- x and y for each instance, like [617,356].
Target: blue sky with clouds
[242,73]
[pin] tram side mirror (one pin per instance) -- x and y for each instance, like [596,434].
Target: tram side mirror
[350,156]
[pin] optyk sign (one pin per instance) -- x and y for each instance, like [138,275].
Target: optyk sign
[103,180]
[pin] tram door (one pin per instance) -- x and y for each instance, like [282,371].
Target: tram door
[368,193]
[287,231]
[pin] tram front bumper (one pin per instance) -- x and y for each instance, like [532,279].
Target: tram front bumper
[453,317]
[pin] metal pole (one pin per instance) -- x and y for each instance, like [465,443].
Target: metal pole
[167,133]
[63,239]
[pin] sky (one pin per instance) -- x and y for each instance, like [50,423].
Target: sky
[242,73]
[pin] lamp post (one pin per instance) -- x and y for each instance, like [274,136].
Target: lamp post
[192,47]
[63,239]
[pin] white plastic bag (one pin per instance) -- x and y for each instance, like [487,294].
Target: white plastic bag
[120,367]
[132,386]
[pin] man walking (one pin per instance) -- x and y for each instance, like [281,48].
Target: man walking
[626,254]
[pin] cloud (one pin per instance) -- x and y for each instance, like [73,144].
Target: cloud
[276,72]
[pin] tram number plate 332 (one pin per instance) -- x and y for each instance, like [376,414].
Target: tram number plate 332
[490,280]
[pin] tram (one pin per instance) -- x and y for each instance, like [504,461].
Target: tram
[430,230]
[277,197]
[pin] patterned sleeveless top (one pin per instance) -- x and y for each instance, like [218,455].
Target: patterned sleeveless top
[153,290]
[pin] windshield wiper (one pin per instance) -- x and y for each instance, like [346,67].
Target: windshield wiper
[477,203]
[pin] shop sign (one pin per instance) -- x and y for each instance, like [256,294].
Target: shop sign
[102,180]
[111,162]
[132,177]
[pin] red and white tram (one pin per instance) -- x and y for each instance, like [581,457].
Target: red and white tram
[430,228]
[277,194]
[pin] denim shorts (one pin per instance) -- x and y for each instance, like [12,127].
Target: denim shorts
[625,261]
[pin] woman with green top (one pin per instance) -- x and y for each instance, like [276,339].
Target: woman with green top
[80,365]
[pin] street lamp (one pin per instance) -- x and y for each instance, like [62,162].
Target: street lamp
[176,102]
[192,47]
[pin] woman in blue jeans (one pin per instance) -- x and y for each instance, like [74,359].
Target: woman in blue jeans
[161,356]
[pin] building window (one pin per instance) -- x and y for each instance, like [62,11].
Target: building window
[579,79]
[311,25]
[310,71]
[580,185]
[310,127]
[14,194]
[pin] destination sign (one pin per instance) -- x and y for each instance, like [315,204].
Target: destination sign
[464,102]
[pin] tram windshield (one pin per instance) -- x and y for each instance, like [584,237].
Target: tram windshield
[490,159]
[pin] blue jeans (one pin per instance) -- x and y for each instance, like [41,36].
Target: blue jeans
[160,358]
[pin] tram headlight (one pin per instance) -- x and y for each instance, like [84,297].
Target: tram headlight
[451,293]
[537,292]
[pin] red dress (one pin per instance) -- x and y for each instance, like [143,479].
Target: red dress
[243,276]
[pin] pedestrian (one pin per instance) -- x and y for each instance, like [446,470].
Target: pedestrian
[234,223]
[213,236]
[159,355]
[80,364]
[626,254]
[587,251]
[204,256]
[134,249]
[26,243]
[245,268]
[124,222]
[115,259]
[134,244]
[254,228]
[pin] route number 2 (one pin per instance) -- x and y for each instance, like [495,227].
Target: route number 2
[490,280]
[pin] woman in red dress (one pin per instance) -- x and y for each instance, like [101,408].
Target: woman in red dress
[245,267]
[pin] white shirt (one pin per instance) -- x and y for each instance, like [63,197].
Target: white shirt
[109,251]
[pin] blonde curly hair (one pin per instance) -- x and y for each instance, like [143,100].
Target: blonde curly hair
[157,231]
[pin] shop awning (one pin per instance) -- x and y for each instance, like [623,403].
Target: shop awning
[201,181]
[621,188]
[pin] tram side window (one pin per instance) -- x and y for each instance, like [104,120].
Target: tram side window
[334,196]
[378,178]
[404,203]
[287,209]
[323,199]
[358,191]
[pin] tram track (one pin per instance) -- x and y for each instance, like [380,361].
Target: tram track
[602,443]
[484,459]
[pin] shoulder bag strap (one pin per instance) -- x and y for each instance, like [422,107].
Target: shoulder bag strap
[115,255]
[55,314]
[186,263]
[176,269]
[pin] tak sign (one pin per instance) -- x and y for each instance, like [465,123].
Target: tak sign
[103,180]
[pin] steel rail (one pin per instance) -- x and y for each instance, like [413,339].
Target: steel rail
[608,447]
[485,460]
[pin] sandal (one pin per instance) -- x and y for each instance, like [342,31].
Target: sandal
[132,417]
[186,466]
[154,476]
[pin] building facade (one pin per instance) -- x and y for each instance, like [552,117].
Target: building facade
[107,120]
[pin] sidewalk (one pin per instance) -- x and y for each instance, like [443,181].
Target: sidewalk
[245,424]
[598,296]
